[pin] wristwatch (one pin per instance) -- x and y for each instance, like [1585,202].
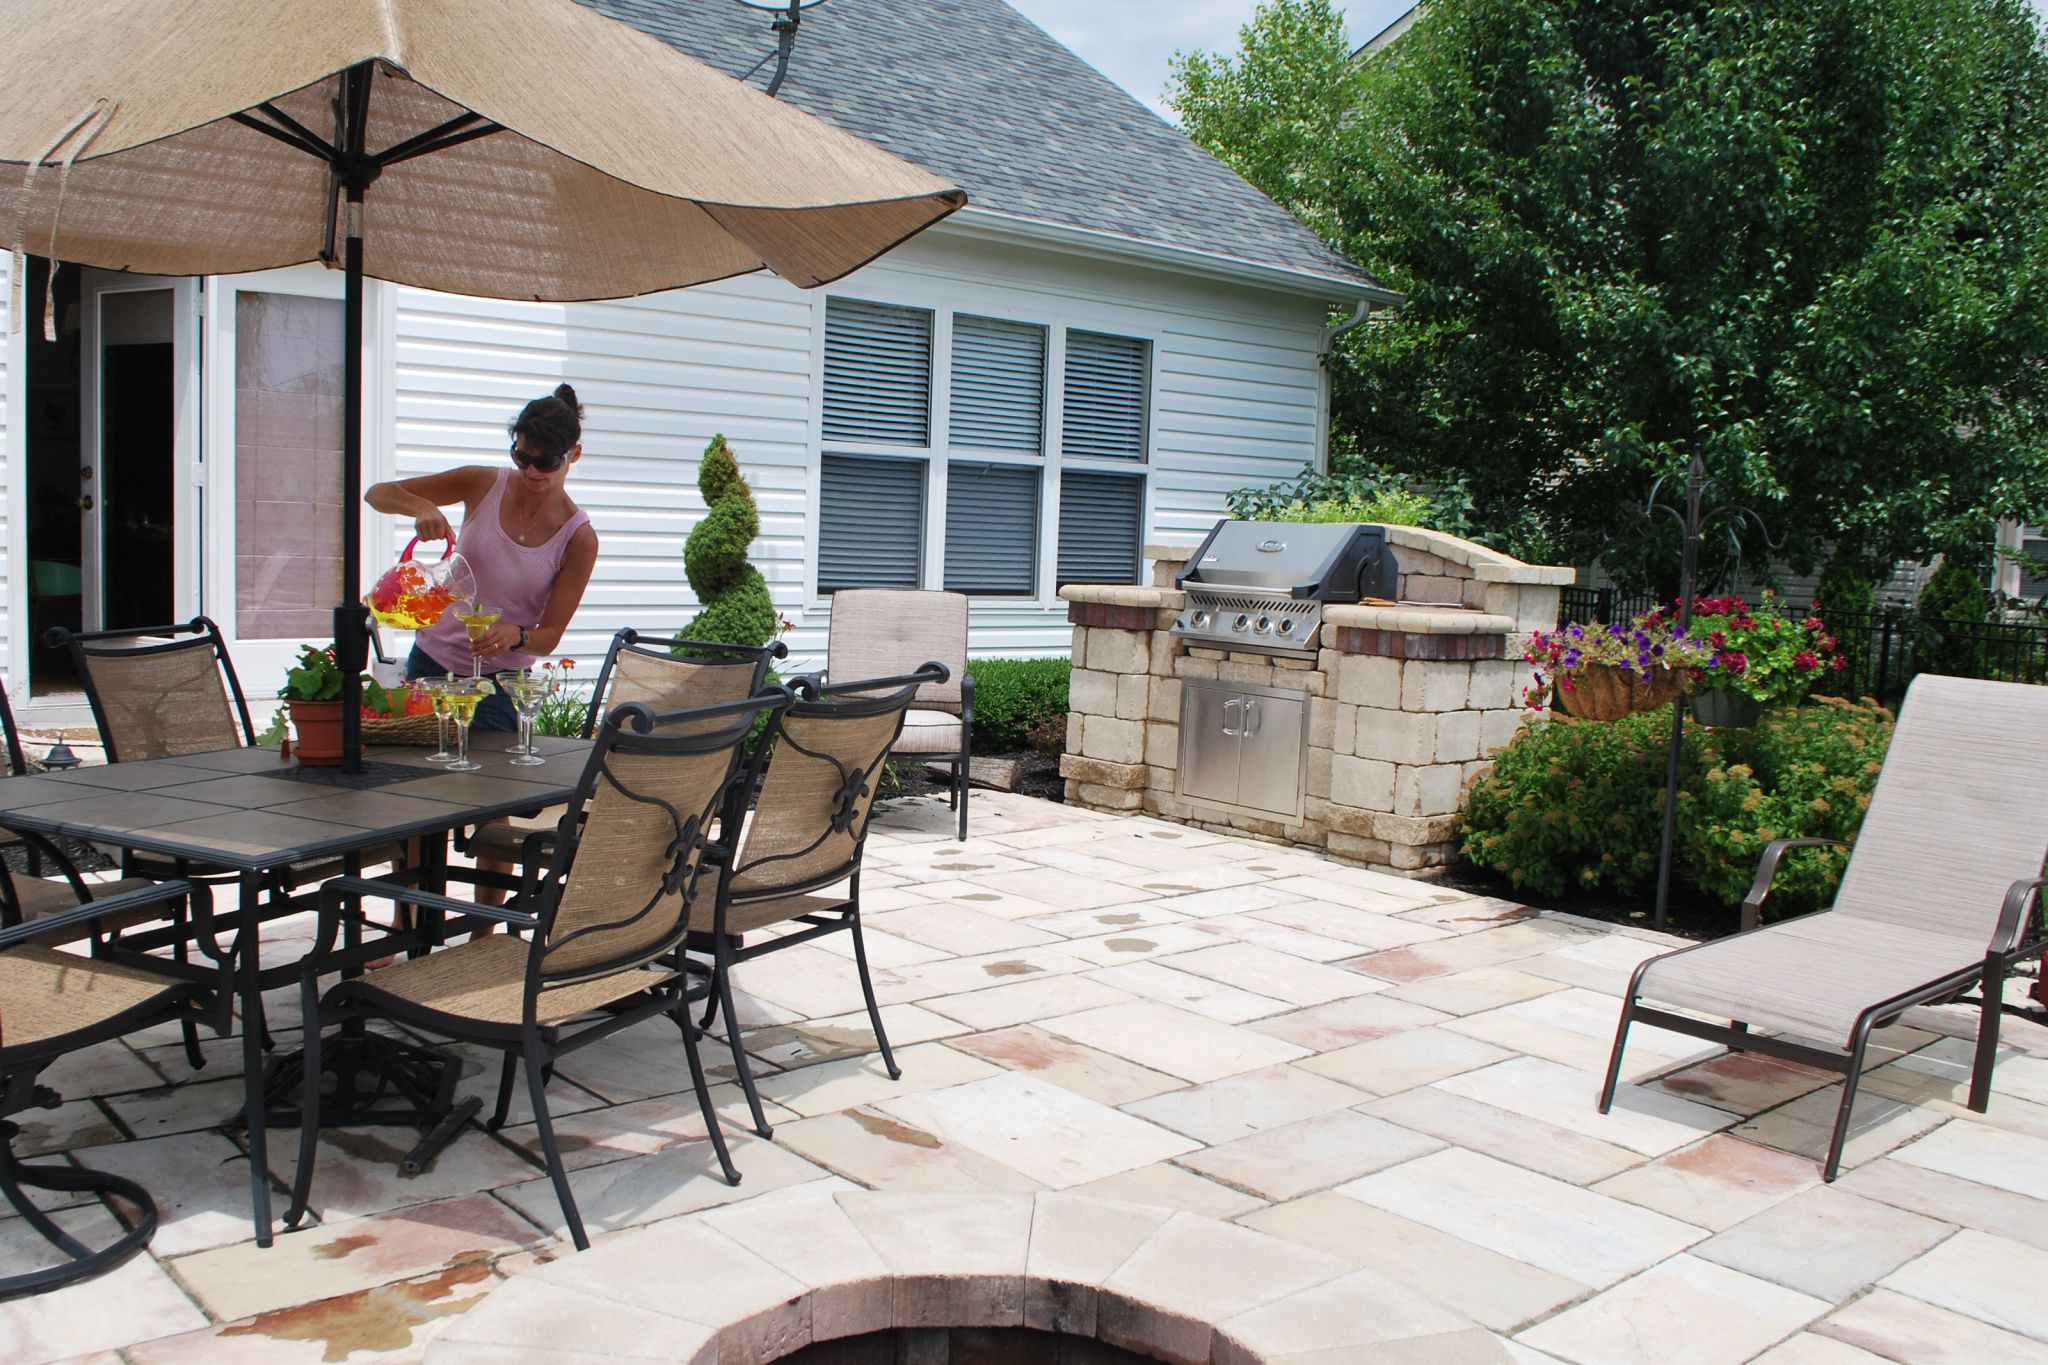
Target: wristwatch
[521,642]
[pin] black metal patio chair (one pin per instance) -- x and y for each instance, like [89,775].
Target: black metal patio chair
[605,921]
[816,771]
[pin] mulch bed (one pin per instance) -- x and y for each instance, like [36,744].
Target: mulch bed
[1037,775]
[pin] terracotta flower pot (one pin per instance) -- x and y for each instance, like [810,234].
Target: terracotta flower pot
[1608,692]
[316,730]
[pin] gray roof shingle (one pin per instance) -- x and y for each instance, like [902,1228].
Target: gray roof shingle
[973,91]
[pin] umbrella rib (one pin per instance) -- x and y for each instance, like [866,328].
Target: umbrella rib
[288,131]
[453,133]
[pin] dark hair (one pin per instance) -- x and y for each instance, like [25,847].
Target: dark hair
[550,424]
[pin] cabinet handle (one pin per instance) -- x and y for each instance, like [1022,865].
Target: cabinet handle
[1251,718]
[1233,704]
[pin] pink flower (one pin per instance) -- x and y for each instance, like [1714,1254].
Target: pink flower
[1805,661]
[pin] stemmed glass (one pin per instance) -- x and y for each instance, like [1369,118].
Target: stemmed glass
[437,692]
[526,692]
[478,621]
[463,696]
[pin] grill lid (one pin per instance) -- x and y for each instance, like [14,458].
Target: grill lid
[1313,561]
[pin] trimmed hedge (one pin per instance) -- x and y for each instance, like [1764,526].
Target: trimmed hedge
[1013,695]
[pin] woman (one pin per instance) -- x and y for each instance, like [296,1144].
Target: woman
[530,547]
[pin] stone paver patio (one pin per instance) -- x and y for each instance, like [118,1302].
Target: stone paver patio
[1384,1071]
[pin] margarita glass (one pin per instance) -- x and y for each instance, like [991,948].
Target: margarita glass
[463,695]
[526,691]
[437,692]
[478,621]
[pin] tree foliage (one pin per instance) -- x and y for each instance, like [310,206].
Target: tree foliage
[1808,241]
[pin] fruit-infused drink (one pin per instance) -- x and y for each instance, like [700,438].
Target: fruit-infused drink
[463,696]
[478,621]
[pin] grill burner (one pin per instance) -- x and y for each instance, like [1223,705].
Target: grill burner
[1261,586]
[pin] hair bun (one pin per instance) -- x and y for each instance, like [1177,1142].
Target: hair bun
[566,395]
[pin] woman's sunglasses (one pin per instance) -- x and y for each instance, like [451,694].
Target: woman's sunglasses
[546,464]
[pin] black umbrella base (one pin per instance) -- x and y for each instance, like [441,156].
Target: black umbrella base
[378,1081]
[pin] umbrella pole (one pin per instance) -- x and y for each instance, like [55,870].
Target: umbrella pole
[351,632]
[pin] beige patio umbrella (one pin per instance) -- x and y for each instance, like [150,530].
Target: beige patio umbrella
[509,148]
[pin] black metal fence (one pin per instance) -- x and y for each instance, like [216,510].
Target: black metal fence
[1887,647]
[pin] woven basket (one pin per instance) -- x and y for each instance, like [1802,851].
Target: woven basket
[1605,692]
[420,729]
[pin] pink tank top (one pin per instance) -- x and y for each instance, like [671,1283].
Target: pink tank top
[514,579]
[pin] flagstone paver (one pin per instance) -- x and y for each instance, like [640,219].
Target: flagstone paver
[1390,1076]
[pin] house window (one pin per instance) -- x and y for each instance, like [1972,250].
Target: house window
[891,463]
[870,522]
[878,373]
[1103,435]
[2034,579]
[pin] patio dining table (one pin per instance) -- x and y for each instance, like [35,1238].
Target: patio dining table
[251,813]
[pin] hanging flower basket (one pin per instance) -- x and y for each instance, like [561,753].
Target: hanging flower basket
[1610,691]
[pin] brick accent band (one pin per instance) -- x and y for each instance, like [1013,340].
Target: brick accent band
[1389,644]
[1101,614]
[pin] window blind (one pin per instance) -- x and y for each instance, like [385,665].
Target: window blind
[870,522]
[991,528]
[878,373]
[998,385]
[1100,532]
[1107,380]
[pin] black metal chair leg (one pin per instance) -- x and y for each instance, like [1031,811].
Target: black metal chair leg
[536,1082]
[722,980]
[712,1127]
[867,990]
[1992,988]
[1628,1014]
[960,775]
[312,1083]
[1859,1044]
[81,1262]
[506,1075]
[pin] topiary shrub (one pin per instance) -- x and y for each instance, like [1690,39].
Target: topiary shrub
[1012,696]
[736,607]
[1803,772]
[1576,804]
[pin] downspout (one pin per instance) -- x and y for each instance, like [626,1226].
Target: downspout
[1359,313]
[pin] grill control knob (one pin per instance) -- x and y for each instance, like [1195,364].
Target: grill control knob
[1264,624]
[1286,626]
[1201,620]
[1242,622]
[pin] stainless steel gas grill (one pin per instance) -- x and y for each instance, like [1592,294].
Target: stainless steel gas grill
[1261,586]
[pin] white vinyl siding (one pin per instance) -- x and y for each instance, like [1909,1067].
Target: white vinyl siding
[1231,400]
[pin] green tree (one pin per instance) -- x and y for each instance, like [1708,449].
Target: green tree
[737,608]
[1809,242]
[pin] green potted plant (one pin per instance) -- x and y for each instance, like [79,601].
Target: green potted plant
[312,688]
[1761,656]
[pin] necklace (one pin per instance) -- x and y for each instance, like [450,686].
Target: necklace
[527,528]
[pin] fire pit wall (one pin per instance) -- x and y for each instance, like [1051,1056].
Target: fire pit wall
[1405,704]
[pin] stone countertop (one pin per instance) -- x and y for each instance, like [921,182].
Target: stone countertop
[1418,619]
[1123,595]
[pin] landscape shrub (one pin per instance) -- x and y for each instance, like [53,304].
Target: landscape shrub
[1011,696]
[1576,806]
[1945,619]
[1354,490]
[737,609]
[1800,773]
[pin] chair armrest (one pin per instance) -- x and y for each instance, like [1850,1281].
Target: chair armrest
[1767,869]
[88,911]
[2011,933]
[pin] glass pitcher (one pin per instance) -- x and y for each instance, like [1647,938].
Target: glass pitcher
[413,594]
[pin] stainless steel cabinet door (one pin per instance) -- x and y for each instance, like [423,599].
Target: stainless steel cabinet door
[1211,728]
[1269,768]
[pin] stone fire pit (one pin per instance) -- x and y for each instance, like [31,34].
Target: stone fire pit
[1406,704]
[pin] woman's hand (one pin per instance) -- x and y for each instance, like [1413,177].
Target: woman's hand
[495,641]
[430,526]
